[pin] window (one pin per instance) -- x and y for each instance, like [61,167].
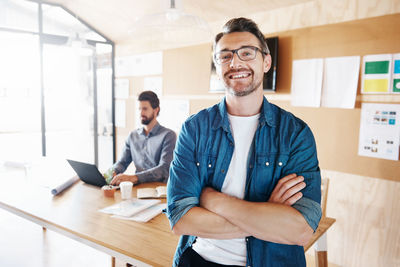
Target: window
[55,94]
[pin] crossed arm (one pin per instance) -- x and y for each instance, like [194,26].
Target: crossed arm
[221,216]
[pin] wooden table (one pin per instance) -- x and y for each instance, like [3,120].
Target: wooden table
[74,213]
[319,238]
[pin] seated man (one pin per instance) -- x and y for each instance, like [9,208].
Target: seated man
[150,148]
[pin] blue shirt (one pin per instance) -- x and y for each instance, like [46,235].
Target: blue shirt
[282,144]
[152,154]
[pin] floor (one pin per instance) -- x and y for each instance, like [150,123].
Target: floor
[24,243]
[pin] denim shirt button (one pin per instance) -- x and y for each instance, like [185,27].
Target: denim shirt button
[267,163]
[222,170]
[251,166]
[198,164]
[280,163]
[230,143]
[209,165]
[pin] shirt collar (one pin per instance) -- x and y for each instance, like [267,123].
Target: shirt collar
[153,131]
[267,115]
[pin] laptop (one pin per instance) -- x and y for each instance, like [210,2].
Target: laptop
[88,173]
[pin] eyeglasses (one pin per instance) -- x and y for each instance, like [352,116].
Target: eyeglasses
[244,53]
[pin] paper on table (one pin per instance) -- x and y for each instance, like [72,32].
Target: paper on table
[65,185]
[340,81]
[158,192]
[307,82]
[145,215]
[376,72]
[130,207]
[380,131]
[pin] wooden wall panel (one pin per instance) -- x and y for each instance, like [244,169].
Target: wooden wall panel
[338,140]
[360,37]
[366,231]
[198,104]
[336,133]
[186,71]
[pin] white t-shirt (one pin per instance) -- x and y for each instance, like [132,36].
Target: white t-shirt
[232,251]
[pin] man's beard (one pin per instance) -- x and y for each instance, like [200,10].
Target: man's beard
[146,121]
[250,89]
[244,92]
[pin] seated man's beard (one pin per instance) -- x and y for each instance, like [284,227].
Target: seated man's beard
[146,121]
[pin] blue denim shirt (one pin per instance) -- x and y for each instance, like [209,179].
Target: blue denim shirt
[283,144]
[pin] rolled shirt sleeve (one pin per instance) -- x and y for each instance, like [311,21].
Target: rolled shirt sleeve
[184,186]
[303,161]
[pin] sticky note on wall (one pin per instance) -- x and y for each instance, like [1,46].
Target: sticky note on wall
[376,74]
[375,85]
[377,67]
[396,74]
[396,68]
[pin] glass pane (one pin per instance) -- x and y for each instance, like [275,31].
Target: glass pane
[58,21]
[19,14]
[104,105]
[20,119]
[68,83]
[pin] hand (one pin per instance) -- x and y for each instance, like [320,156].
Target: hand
[210,197]
[124,177]
[287,191]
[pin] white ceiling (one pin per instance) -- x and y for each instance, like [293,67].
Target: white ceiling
[114,18]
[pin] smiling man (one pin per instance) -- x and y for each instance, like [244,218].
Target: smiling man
[244,187]
[150,148]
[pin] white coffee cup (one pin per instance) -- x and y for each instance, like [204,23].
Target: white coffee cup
[126,189]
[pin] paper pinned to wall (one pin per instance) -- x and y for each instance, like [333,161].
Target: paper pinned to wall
[396,74]
[154,84]
[307,82]
[376,74]
[340,82]
[122,88]
[139,65]
[380,131]
[174,113]
[120,113]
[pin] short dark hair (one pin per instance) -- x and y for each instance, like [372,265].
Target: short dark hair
[243,25]
[151,97]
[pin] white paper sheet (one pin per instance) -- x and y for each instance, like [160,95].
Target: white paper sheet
[340,82]
[139,65]
[128,208]
[120,113]
[307,82]
[173,113]
[122,88]
[380,131]
[145,215]
[153,84]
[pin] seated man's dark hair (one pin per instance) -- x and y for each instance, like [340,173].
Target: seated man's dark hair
[151,97]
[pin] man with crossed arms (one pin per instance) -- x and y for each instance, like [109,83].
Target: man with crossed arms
[226,194]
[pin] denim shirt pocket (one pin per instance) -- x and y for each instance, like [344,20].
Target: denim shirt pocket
[269,171]
[206,167]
